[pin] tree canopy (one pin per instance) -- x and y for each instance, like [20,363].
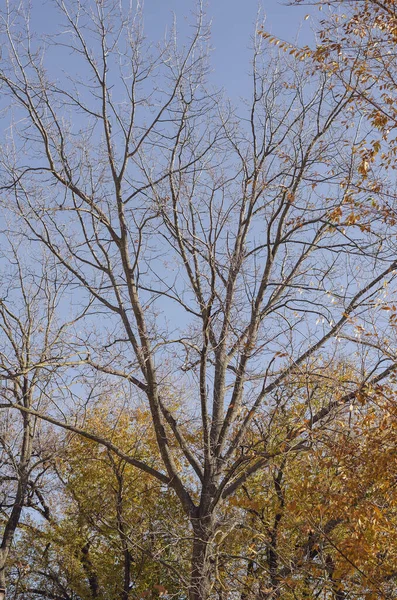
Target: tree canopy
[198,322]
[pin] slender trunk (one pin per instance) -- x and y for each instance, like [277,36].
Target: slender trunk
[127,575]
[11,526]
[89,570]
[125,594]
[200,577]
[272,551]
[19,502]
[272,560]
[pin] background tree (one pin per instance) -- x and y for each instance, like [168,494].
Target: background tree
[112,531]
[322,523]
[356,42]
[222,251]
[317,523]
[31,357]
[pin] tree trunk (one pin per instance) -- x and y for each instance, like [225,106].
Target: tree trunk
[200,577]
[13,520]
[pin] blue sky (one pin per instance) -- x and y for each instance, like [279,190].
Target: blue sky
[233,25]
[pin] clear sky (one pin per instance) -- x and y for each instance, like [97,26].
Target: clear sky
[233,26]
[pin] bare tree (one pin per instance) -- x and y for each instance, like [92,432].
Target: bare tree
[220,247]
[31,351]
